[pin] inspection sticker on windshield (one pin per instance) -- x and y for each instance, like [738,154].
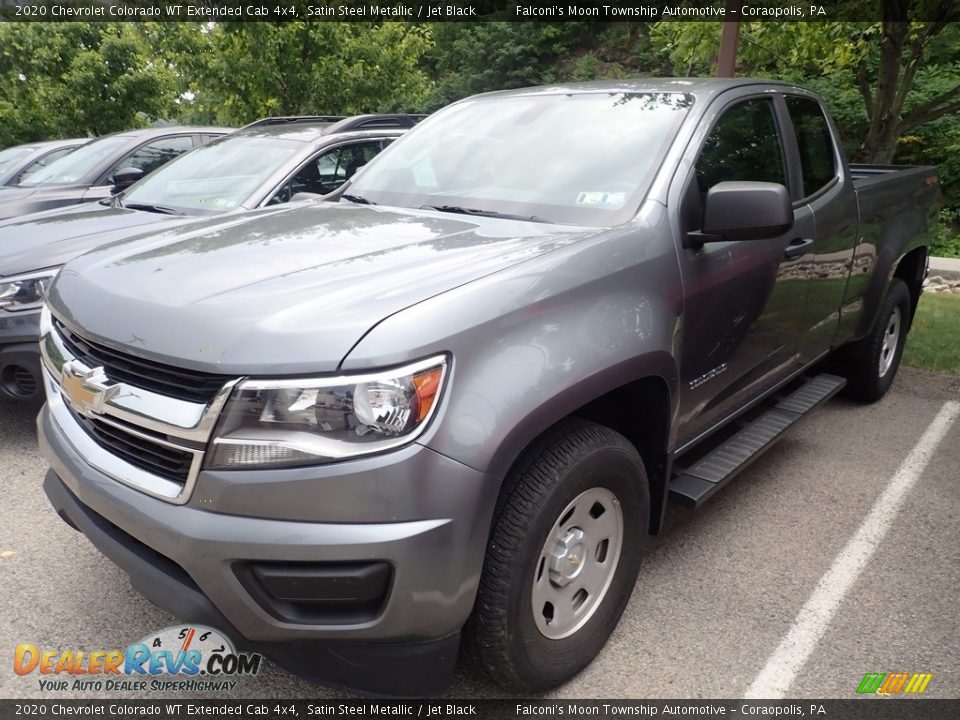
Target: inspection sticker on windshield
[601,199]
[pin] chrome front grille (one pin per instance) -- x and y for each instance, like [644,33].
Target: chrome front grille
[166,461]
[142,423]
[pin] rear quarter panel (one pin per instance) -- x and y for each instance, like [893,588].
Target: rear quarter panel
[897,212]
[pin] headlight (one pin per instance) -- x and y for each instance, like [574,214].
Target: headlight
[284,423]
[26,292]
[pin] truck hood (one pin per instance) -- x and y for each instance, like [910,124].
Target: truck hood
[283,291]
[51,238]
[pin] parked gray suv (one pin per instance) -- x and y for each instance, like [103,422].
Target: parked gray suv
[264,164]
[101,167]
[455,404]
[19,162]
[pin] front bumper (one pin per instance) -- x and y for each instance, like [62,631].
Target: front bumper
[19,327]
[188,558]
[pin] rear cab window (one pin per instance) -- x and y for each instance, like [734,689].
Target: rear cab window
[818,160]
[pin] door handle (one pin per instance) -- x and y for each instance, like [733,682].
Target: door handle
[798,247]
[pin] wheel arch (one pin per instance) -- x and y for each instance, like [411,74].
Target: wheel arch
[640,410]
[912,270]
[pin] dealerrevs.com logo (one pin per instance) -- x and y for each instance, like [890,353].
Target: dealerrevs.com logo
[178,658]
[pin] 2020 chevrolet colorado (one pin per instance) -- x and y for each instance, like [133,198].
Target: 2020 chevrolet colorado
[457,401]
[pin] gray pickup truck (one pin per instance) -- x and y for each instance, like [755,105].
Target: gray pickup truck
[455,403]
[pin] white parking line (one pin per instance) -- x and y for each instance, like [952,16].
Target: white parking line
[814,617]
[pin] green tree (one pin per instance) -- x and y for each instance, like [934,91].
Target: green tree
[893,86]
[883,61]
[887,77]
[76,78]
[470,58]
[237,72]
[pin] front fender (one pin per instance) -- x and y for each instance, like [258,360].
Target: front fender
[533,343]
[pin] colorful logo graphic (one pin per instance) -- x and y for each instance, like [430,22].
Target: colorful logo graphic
[181,651]
[894,683]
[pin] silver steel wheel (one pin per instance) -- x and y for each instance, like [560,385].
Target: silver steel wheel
[577,563]
[891,337]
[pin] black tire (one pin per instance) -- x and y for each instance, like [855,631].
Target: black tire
[861,362]
[502,635]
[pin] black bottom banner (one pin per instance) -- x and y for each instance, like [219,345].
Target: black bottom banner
[873,708]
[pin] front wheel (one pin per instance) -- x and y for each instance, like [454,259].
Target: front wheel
[871,364]
[563,557]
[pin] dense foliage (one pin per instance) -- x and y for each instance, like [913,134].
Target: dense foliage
[77,79]
[894,87]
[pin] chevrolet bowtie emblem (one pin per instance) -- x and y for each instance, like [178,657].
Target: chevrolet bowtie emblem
[86,390]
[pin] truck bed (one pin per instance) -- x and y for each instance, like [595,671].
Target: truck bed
[897,205]
[907,192]
[865,176]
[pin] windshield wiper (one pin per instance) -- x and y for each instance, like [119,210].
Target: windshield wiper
[358,199]
[150,208]
[482,213]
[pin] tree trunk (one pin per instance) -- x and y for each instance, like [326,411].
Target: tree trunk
[900,57]
[884,112]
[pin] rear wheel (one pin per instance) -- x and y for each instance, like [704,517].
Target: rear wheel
[563,557]
[870,365]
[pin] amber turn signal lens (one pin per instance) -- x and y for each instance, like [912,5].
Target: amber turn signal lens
[427,385]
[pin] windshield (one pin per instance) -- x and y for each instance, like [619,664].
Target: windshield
[8,156]
[216,177]
[582,159]
[75,166]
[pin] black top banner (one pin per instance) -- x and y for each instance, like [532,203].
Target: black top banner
[479,10]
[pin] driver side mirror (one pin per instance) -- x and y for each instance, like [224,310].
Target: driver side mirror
[124,178]
[305,197]
[738,210]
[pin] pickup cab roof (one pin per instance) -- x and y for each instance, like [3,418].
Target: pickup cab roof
[698,87]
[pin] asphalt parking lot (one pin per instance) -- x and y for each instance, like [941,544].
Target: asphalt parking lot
[720,589]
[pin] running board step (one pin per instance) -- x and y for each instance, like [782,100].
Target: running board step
[693,485]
